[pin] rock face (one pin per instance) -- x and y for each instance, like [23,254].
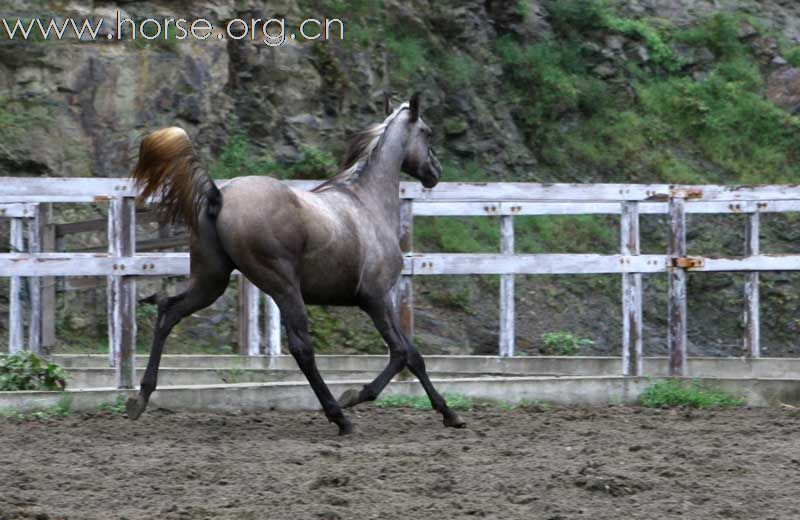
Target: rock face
[783,89]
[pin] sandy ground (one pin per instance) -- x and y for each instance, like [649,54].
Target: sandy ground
[531,463]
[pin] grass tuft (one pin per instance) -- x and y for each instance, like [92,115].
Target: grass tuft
[421,402]
[692,394]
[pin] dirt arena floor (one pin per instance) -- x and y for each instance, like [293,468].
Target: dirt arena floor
[566,463]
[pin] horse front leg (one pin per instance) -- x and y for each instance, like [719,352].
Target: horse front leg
[402,353]
[381,315]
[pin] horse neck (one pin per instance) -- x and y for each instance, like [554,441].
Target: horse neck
[379,183]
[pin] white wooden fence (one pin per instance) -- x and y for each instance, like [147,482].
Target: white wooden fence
[19,198]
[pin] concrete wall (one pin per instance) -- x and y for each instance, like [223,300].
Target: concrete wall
[488,365]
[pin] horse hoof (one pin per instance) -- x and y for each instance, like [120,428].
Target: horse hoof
[350,398]
[345,427]
[453,420]
[135,406]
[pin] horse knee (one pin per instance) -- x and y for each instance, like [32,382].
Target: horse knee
[301,351]
[414,361]
[399,356]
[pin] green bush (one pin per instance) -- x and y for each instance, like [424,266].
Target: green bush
[675,392]
[720,33]
[563,344]
[571,16]
[313,164]
[27,371]
[793,56]
[239,158]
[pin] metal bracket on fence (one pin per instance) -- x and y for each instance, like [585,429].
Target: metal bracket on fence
[686,193]
[688,262]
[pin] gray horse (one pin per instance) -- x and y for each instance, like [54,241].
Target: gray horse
[335,245]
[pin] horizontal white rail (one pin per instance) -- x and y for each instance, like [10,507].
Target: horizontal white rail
[432,208]
[177,264]
[17,210]
[88,189]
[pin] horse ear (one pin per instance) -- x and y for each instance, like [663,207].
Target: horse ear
[387,103]
[413,105]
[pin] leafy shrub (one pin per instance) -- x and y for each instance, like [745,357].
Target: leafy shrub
[568,16]
[313,164]
[720,33]
[410,54]
[692,394]
[793,56]
[239,158]
[575,17]
[27,371]
[563,344]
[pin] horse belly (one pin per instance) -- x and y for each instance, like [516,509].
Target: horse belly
[326,281]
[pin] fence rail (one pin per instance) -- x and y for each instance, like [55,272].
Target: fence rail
[20,200]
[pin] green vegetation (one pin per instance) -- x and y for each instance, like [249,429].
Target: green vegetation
[331,331]
[240,157]
[563,344]
[18,117]
[691,394]
[454,401]
[62,409]
[27,371]
[115,408]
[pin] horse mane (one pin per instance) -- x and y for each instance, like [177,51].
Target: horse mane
[360,150]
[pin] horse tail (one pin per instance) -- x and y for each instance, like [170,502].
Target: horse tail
[169,169]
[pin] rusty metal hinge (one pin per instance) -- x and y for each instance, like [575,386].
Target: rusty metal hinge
[688,262]
[686,193]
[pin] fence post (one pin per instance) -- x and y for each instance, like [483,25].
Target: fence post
[34,286]
[16,321]
[507,338]
[48,237]
[631,293]
[272,328]
[249,335]
[122,292]
[752,339]
[405,287]
[676,337]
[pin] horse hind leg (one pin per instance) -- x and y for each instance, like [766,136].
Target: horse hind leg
[205,288]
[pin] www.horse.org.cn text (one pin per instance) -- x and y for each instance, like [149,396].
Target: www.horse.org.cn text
[273,32]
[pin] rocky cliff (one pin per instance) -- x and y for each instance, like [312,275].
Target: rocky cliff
[571,90]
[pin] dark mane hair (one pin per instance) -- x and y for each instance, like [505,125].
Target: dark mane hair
[359,151]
